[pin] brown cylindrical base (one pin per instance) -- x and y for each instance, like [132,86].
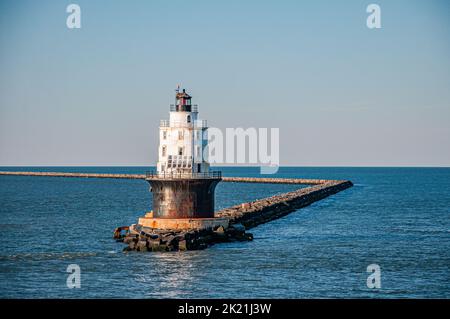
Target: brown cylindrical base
[183,198]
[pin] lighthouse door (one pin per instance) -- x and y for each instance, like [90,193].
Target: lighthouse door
[199,167]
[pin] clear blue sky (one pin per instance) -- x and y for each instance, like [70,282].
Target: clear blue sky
[340,93]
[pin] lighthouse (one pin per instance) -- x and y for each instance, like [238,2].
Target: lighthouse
[183,185]
[182,140]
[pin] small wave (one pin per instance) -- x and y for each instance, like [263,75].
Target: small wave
[421,230]
[47,256]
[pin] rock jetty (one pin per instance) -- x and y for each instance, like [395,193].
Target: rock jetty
[144,176]
[241,217]
[139,238]
[260,211]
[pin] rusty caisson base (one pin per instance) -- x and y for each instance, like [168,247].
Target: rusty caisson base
[183,197]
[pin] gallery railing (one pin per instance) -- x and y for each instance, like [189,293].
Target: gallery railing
[183,108]
[195,124]
[181,175]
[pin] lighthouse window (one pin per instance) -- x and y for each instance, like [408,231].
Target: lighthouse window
[164,151]
[164,135]
[180,151]
[189,119]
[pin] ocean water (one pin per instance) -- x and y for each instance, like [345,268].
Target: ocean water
[398,218]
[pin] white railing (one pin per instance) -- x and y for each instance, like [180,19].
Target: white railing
[175,175]
[196,124]
[182,108]
[164,123]
[179,161]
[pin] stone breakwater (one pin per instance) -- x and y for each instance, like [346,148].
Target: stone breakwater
[263,180]
[254,213]
[241,217]
[143,176]
[79,175]
[139,238]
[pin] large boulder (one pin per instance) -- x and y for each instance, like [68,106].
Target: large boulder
[142,245]
[130,238]
[182,246]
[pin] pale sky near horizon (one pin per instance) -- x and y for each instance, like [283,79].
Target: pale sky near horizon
[341,94]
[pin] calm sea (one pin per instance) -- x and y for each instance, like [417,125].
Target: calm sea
[398,218]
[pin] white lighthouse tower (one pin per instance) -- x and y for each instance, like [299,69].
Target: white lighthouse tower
[183,185]
[182,139]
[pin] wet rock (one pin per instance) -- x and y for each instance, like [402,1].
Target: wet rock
[130,238]
[142,245]
[219,230]
[160,240]
[121,232]
[234,232]
[161,247]
[239,228]
[220,235]
[132,245]
[167,239]
[182,246]
[173,242]
[135,229]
